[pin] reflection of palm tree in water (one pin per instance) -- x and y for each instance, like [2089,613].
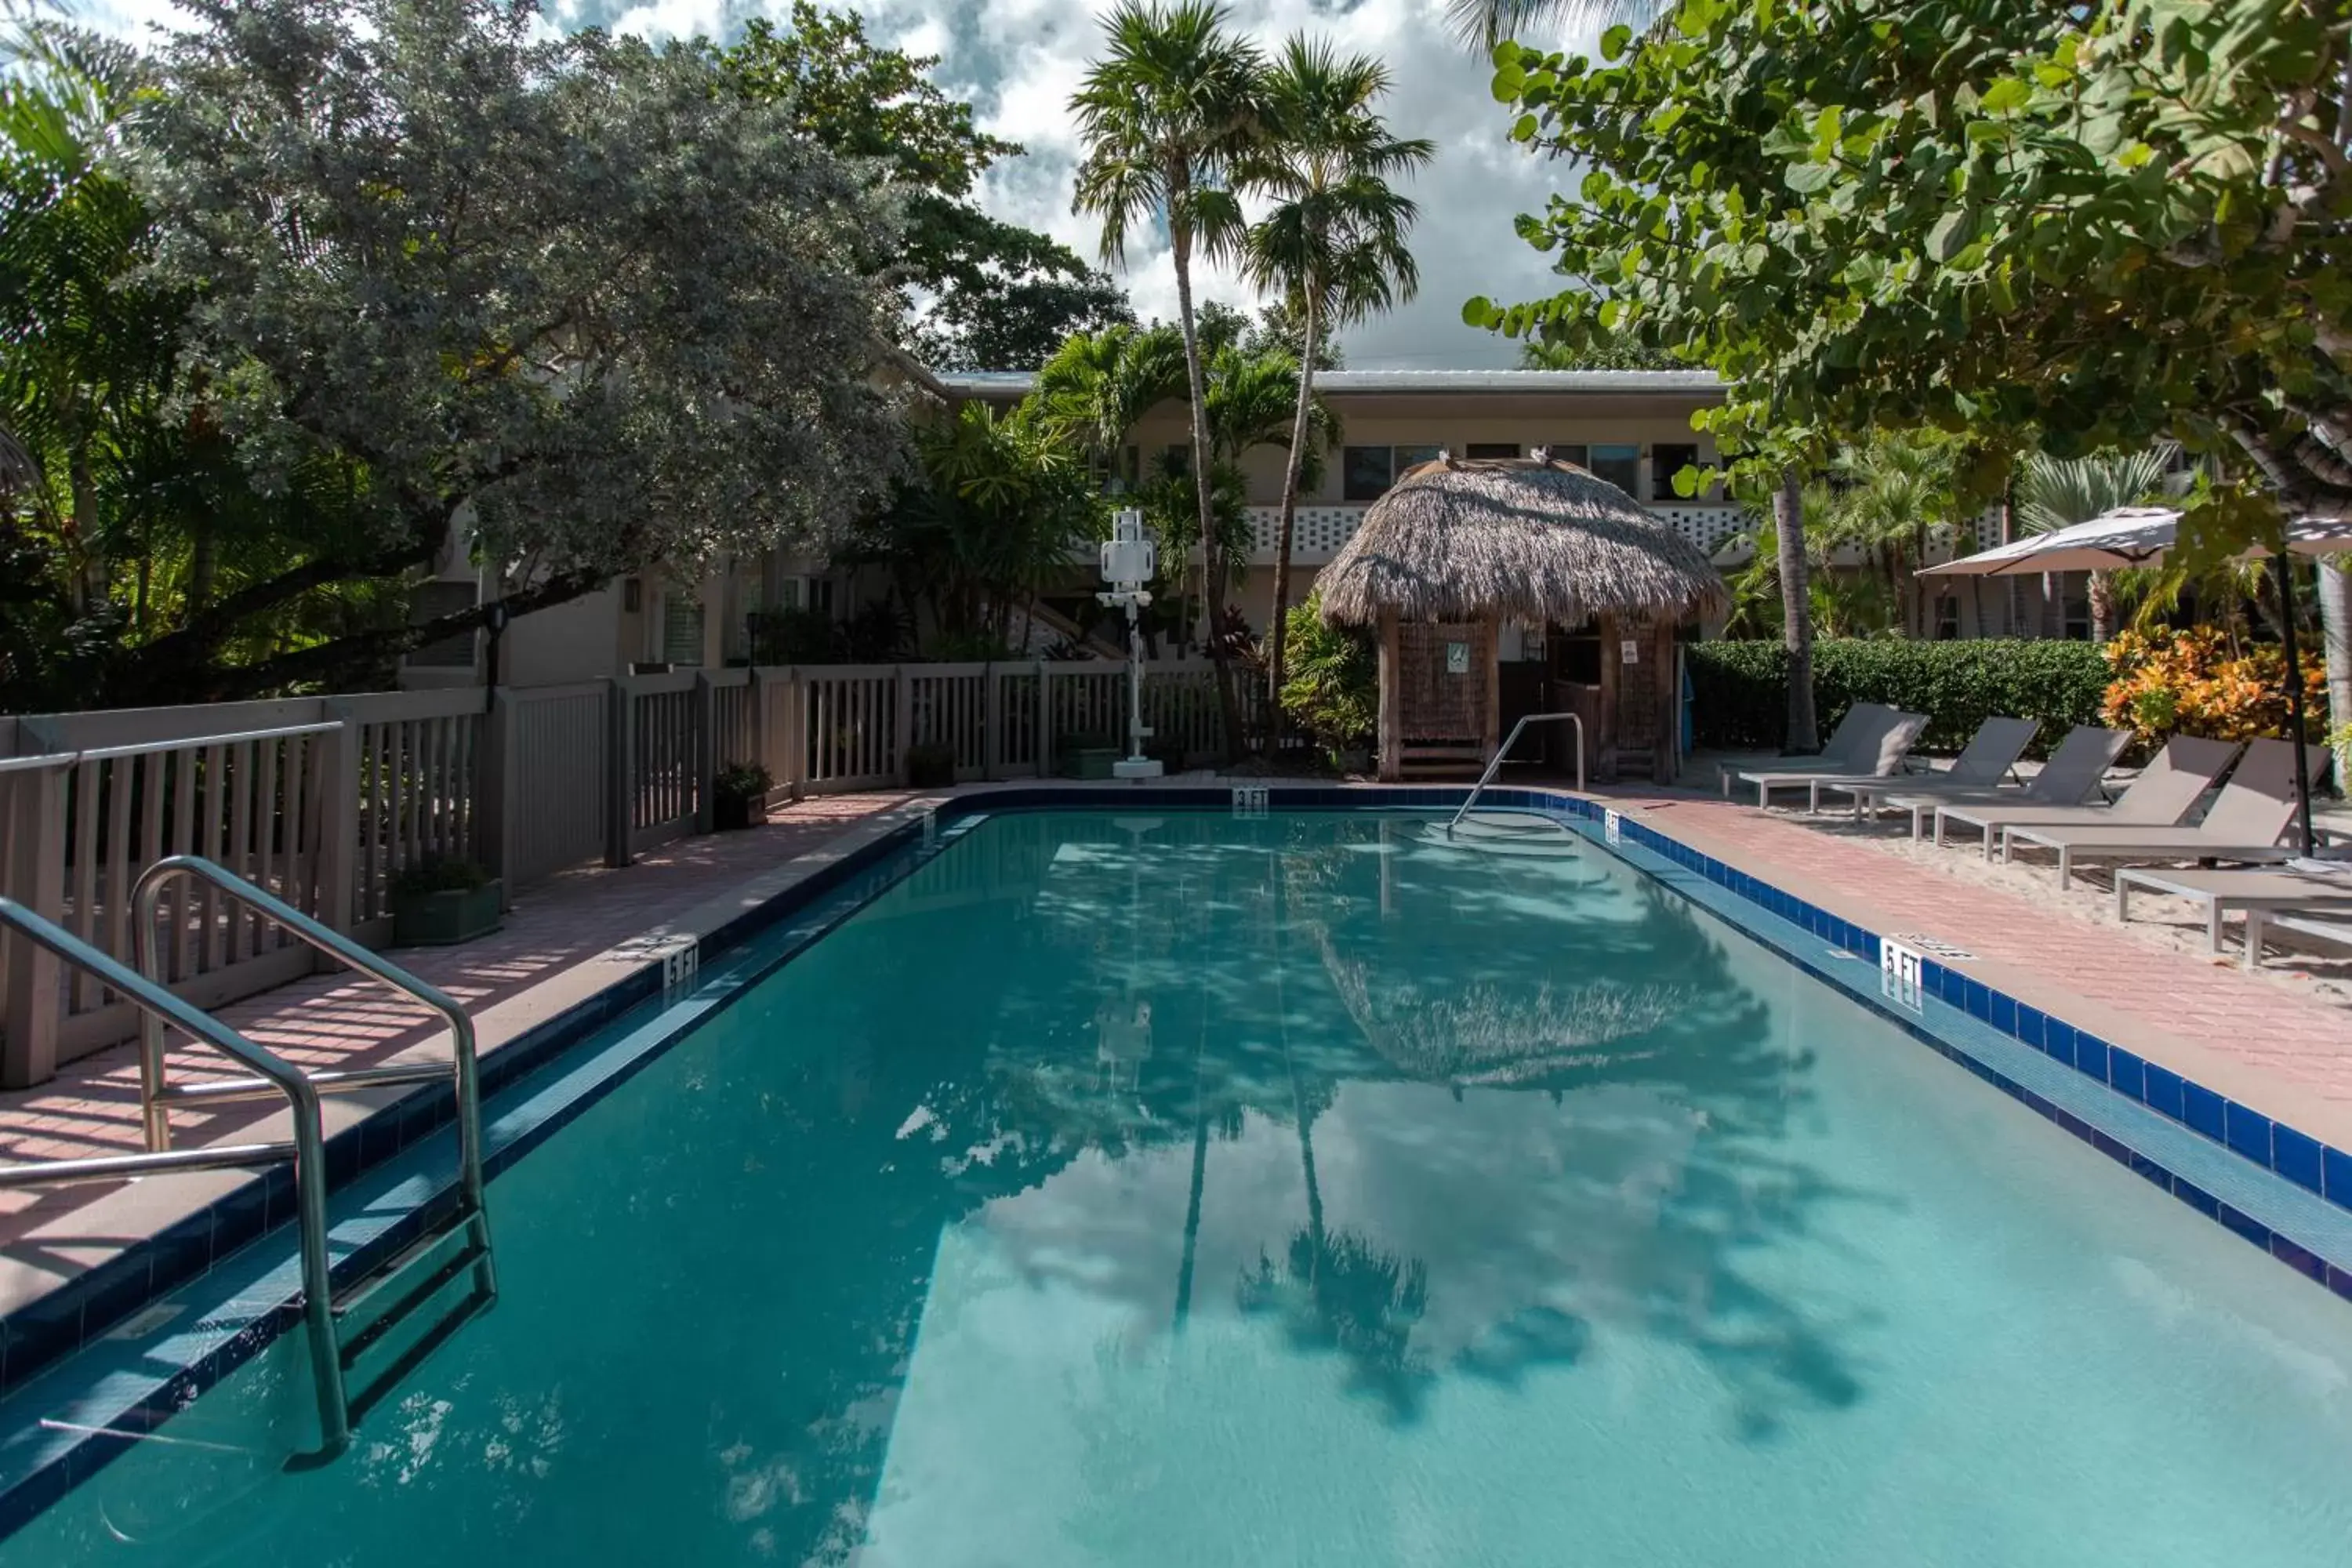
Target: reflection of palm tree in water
[1338,1292]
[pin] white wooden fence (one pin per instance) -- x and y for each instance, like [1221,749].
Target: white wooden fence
[327,802]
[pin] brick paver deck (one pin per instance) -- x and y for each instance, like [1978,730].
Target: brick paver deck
[2251,1036]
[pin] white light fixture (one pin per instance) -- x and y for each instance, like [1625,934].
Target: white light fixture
[1128,561]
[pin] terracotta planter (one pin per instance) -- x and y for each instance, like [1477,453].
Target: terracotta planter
[452,915]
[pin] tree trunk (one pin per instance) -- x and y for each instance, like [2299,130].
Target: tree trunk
[2103,606]
[1278,629]
[1796,612]
[2013,602]
[1203,480]
[2335,634]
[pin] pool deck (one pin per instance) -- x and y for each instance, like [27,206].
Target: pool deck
[2253,1040]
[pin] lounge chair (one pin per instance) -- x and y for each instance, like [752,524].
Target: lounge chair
[2165,791]
[1881,753]
[2069,778]
[2245,824]
[1862,722]
[2292,891]
[1982,763]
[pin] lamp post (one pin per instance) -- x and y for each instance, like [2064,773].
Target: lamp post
[1127,562]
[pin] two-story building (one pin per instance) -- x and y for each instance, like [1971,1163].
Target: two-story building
[1631,428]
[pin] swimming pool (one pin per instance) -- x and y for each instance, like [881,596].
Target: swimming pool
[1162,1189]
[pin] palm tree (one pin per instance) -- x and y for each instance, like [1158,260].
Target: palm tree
[1098,385]
[1164,115]
[1483,24]
[1333,247]
[2059,492]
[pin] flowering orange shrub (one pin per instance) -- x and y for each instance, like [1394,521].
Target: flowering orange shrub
[2170,683]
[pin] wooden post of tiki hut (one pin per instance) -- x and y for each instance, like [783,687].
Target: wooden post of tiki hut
[1457,548]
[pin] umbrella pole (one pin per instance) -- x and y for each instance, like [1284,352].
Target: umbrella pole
[2283,567]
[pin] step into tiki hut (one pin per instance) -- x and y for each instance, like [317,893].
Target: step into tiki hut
[1460,553]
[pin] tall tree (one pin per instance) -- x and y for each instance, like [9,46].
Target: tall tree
[2059,492]
[979,293]
[2109,222]
[1333,247]
[1164,114]
[567,303]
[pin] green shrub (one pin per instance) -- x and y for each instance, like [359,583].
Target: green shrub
[743,781]
[1332,688]
[1740,689]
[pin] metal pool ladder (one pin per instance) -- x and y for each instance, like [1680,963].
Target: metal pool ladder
[1508,741]
[362,1327]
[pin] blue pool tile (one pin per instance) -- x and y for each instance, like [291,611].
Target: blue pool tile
[2058,1039]
[2201,1107]
[2336,1168]
[2249,1133]
[2126,1072]
[2163,1094]
[2303,1261]
[2143,1167]
[2340,1281]
[2114,1148]
[2296,1156]
[2030,1024]
[2091,1056]
[2070,1122]
[2247,1226]
[2004,1013]
[2197,1197]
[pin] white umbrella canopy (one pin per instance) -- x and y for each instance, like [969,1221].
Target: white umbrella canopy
[2128,536]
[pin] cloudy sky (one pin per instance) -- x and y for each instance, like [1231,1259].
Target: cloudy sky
[1018,61]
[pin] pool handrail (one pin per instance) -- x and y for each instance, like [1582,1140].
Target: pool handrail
[306,1151]
[1504,750]
[156,1095]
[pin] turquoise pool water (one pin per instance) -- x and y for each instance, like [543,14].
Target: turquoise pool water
[1122,1190]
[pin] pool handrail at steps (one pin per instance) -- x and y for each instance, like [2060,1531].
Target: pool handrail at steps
[306,1151]
[331,1354]
[157,1095]
[1504,750]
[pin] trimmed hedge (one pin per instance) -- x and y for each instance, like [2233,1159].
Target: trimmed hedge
[1740,689]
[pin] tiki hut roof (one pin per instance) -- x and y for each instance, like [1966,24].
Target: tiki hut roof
[1520,538]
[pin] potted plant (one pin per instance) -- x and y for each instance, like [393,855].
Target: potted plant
[442,899]
[1086,757]
[738,796]
[930,765]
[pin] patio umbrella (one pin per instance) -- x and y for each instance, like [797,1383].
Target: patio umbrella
[2139,536]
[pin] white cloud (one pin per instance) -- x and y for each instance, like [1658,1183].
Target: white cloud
[1019,60]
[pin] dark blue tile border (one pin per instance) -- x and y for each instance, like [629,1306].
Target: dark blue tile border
[46,1332]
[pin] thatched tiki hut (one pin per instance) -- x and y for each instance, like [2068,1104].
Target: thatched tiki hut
[1459,551]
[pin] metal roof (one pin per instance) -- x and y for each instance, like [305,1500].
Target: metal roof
[1670,383]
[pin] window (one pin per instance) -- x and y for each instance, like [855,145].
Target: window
[681,630]
[1494,448]
[1621,466]
[1365,472]
[1571,452]
[1668,458]
[430,602]
[1410,457]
